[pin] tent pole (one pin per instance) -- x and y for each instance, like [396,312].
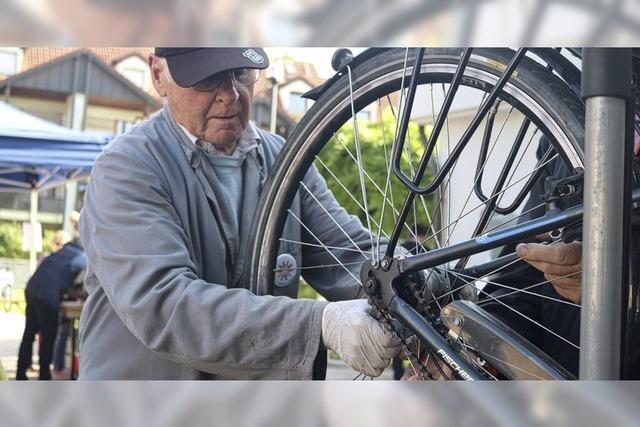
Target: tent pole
[34,220]
[70,199]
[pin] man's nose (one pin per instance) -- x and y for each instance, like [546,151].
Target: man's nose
[227,92]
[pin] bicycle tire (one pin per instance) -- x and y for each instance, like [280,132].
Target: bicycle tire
[551,105]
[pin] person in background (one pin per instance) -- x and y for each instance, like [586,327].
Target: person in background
[60,237]
[54,276]
[64,324]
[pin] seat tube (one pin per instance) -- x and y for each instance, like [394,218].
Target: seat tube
[606,88]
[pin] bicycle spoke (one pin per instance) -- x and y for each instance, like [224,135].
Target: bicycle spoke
[323,245]
[377,187]
[512,175]
[333,219]
[315,267]
[363,187]
[479,174]
[496,195]
[350,194]
[521,290]
[528,211]
[489,274]
[528,318]
[389,167]
[493,357]
[397,118]
[336,248]
[387,182]
[450,175]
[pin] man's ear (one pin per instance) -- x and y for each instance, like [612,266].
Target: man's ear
[159,82]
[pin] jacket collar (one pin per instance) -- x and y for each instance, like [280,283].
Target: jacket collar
[248,140]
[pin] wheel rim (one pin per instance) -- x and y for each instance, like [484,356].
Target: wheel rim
[541,118]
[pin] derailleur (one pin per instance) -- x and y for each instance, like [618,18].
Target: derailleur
[383,282]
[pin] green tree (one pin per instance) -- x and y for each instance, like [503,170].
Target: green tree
[11,241]
[376,140]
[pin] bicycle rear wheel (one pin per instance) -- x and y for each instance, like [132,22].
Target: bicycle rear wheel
[332,140]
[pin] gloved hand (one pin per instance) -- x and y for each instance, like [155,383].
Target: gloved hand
[361,341]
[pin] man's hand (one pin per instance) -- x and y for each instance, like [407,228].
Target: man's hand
[557,261]
[361,341]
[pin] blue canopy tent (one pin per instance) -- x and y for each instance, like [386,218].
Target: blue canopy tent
[35,163]
[37,155]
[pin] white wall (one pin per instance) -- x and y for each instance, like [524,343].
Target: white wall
[461,200]
[298,86]
[136,70]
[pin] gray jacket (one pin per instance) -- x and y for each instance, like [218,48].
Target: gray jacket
[166,274]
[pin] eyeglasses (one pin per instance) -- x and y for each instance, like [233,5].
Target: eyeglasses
[239,76]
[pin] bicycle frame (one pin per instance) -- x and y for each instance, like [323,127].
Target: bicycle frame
[397,268]
[413,184]
[380,279]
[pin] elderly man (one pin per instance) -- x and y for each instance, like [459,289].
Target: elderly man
[165,226]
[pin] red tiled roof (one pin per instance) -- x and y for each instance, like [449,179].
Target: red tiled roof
[34,56]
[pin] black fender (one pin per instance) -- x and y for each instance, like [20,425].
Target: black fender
[550,56]
[562,66]
[315,93]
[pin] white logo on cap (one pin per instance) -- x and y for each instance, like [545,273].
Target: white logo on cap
[253,56]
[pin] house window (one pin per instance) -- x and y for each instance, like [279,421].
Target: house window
[123,126]
[297,104]
[364,116]
[136,76]
[8,62]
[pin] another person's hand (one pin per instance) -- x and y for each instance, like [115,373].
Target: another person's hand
[561,264]
[361,341]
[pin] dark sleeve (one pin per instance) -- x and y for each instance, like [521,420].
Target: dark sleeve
[521,275]
[320,364]
[552,315]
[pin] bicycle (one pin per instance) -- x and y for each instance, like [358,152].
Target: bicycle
[540,89]
[7,300]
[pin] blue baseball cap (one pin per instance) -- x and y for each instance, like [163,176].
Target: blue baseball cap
[189,65]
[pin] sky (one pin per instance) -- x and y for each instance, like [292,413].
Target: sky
[320,57]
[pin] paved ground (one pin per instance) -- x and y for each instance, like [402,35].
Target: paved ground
[12,325]
[338,370]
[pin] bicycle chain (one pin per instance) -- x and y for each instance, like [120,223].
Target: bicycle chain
[382,315]
[406,339]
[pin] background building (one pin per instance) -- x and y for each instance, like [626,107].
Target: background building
[108,90]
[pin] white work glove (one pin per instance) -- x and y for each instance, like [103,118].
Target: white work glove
[361,341]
